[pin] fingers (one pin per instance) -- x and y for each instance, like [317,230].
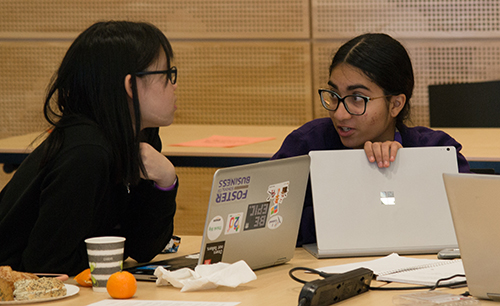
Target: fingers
[383,153]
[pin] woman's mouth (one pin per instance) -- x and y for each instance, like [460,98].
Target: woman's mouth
[345,131]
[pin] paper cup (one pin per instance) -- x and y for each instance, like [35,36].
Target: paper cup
[105,258]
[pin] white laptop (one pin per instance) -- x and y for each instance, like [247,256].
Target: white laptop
[253,215]
[474,201]
[363,210]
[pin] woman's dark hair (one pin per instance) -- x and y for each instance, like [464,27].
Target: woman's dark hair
[90,85]
[385,61]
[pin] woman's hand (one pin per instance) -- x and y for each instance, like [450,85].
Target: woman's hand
[159,168]
[384,153]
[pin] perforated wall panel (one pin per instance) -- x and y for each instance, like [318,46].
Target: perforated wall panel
[192,199]
[434,62]
[178,19]
[256,83]
[25,72]
[406,18]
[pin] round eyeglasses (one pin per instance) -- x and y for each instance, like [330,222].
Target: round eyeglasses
[354,104]
[171,74]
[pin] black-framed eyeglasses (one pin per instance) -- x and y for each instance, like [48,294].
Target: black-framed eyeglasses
[354,104]
[171,74]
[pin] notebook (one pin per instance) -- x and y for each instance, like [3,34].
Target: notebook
[253,215]
[362,210]
[474,201]
[418,271]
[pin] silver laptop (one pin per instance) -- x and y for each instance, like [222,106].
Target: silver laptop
[253,215]
[474,201]
[362,210]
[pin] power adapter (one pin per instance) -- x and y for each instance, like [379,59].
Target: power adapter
[335,288]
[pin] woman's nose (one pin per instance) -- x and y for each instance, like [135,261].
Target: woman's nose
[341,113]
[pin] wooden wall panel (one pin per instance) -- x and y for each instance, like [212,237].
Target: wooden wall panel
[254,83]
[178,19]
[26,68]
[192,199]
[406,18]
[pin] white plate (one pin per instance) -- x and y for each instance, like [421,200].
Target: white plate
[70,291]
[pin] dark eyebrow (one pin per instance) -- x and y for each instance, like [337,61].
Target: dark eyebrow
[332,85]
[352,87]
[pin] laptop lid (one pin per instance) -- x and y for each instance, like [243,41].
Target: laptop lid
[253,215]
[474,201]
[254,212]
[362,210]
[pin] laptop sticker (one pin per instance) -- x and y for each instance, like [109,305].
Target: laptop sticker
[275,194]
[215,227]
[234,221]
[213,252]
[256,216]
[275,222]
[233,189]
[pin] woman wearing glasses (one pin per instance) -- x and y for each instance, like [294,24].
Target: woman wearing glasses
[100,171]
[368,99]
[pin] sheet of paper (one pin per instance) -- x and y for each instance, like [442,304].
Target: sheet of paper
[112,302]
[219,141]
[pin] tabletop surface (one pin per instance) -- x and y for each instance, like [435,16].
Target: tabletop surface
[272,287]
[479,144]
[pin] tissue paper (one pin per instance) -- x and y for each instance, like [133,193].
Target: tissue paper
[206,276]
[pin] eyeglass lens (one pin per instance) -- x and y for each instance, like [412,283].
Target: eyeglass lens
[355,105]
[172,75]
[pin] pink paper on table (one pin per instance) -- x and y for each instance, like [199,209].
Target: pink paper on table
[222,141]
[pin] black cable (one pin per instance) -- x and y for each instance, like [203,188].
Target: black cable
[325,275]
[320,273]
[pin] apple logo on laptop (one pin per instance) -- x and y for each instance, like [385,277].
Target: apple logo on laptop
[387,198]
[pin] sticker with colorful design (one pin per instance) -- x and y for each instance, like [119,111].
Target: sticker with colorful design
[234,221]
[275,195]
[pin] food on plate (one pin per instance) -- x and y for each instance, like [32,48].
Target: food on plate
[45,287]
[6,292]
[12,276]
[16,285]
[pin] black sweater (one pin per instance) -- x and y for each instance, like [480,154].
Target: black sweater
[46,214]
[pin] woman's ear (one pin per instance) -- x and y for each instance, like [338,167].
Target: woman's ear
[397,104]
[128,86]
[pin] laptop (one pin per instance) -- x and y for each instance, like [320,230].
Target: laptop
[253,215]
[474,201]
[361,210]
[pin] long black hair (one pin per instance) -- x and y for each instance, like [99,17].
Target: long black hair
[90,84]
[385,61]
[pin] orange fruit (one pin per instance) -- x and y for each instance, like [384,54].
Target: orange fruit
[83,278]
[121,285]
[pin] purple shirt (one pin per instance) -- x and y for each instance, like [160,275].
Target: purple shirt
[320,134]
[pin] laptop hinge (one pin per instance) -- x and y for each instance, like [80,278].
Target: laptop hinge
[280,261]
[494,296]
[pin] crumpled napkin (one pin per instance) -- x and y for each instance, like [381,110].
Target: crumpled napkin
[206,276]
